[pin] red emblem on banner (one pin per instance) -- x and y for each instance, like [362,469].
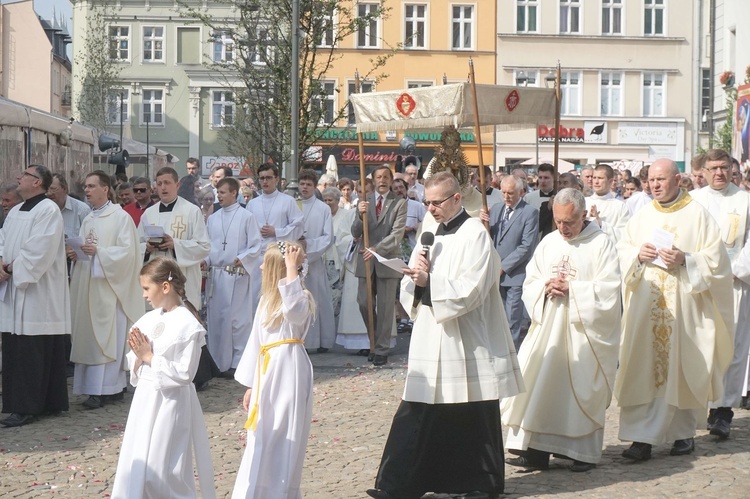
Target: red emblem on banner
[512,100]
[405,104]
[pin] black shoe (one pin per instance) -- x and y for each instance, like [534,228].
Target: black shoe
[229,373]
[201,386]
[379,360]
[93,402]
[15,420]
[711,421]
[682,447]
[745,403]
[638,452]
[115,397]
[322,350]
[370,357]
[720,428]
[380,494]
[364,352]
[404,327]
[528,463]
[477,494]
[581,466]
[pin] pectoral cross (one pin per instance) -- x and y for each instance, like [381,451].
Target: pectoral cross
[224,244]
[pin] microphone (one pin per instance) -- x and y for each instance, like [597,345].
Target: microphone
[427,240]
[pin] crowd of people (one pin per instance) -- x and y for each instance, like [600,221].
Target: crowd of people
[535,312]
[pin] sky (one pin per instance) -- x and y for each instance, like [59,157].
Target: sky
[46,8]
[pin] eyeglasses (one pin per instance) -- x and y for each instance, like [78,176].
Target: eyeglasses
[31,175]
[718,168]
[437,204]
[263,179]
[140,190]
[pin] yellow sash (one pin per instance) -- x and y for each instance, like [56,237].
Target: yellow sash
[264,357]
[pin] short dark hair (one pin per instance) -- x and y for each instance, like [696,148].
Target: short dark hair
[45,176]
[634,180]
[106,181]
[717,155]
[697,162]
[60,178]
[346,181]
[607,171]
[234,185]
[546,167]
[168,170]
[308,174]
[382,167]
[227,171]
[193,161]
[123,186]
[141,180]
[121,177]
[406,186]
[269,166]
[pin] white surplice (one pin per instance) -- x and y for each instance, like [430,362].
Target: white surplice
[275,451]
[187,227]
[165,427]
[281,212]
[106,298]
[569,357]
[318,234]
[230,318]
[612,212]
[677,331]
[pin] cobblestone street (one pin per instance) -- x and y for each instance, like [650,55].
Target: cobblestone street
[75,454]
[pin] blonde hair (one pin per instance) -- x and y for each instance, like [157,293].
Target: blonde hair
[274,270]
[160,270]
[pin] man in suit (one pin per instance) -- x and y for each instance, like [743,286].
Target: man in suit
[514,228]
[386,219]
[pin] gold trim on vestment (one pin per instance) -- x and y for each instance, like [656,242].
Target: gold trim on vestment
[683,199]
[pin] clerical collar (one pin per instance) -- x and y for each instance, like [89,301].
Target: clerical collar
[682,200]
[167,207]
[32,201]
[231,207]
[101,208]
[452,225]
[488,191]
[548,194]
[273,194]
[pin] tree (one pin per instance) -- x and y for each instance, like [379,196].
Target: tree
[252,55]
[97,72]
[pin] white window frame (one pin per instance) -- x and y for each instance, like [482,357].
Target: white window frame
[649,93]
[330,97]
[119,37]
[420,83]
[153,102]
[330,21]
[567,88]
[570,6]
[222,39]
[367,31]
[532,75]
[415,21]
[654,7]
[114,99]
[262,44]
[611,7]
[154,39]
[610,75]
[225,104]
[462,22]
[367,87]
[525,4]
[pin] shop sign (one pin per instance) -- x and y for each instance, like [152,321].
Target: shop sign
[436,136]
[645,133]
[345,134]
[567,135]
[595,132]
[238,165]
[372,154]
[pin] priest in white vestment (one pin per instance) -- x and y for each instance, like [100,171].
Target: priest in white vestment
[335,255]
[105,295]
[184,239]
[730,208]
[235,248]
[446,436]
[604,208]
[678,325]
[34,303]
[278,218]
[569,357]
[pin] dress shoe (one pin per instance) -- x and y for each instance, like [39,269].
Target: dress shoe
[363,352]
[711,421]
[370,357]
[115,397]
[581,466]
[528,463]
[720,428]
[229,373]
[638,452]
[201,386]
[745,403]
[16,419]
[478,494]
[682,447]
[380,494]
[322,350]
[379,360]
[93,402]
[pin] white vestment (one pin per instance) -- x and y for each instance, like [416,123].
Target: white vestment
[282,400]
[106,298]
[37,297]
[677,332]
[612,212]
[165,427]
[569,357]
[636,201]
[461,348]
[730,208]
[318,235]
[230,318]
[191,244]
[281,212]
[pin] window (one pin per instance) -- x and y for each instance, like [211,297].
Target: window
[112,106]
[367,35]
[526,78]
[526,16]
[153,43]
[325,27]
[705,97]
[323,105]
[611,94]
[653,18]
[570,87]
[367,87]
[119,43]
[611,17]
[570,16]
[222,109]
[462,21]
[418,84]
[152,109]
[415,20]
[223,47]
[263,48]
[653,94]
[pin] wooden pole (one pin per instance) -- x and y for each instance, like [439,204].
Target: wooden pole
[478,135]
[558,100]
[365,231]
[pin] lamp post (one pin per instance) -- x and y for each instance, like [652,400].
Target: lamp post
[291,175]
